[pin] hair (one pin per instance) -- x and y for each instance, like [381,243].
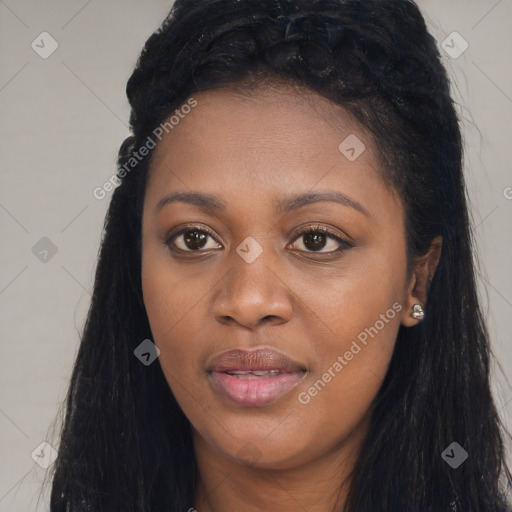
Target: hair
[125,443]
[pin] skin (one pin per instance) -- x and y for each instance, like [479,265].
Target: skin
[251,150]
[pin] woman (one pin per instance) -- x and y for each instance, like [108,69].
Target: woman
[285,313]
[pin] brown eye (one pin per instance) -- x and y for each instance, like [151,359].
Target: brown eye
[193,240]
[316,239]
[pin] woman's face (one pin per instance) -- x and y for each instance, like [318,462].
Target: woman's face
[274,340]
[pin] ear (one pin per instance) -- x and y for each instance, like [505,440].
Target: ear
[422,274]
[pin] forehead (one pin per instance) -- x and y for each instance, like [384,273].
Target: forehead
[266,141]
[273,121]
[292,113]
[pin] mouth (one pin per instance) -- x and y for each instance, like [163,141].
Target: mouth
[254,378]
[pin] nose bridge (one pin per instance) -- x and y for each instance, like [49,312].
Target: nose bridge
[251,270]
[252,290]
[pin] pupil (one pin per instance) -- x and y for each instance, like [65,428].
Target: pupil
[314,241]
[195,239]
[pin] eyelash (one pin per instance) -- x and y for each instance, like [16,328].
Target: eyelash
[344,244]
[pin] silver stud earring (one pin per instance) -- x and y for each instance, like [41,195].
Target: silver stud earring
[417,312]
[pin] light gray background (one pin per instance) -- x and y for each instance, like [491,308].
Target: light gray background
[62,121]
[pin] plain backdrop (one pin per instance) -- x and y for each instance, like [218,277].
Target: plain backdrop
[62,119]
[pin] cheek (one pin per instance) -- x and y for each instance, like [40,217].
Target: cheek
[173,311]
[174,308]
[342,387]
[360,310]
[177,311]
[173,293]
[361,300]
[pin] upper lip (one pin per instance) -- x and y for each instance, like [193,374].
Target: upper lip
[259,359]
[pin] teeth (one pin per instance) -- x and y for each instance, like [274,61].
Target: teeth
[253,374]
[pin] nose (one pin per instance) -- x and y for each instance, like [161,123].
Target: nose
[253,294]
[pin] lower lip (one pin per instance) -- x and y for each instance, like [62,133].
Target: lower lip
[254,392]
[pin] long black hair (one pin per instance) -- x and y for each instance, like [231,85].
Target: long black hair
[125,444]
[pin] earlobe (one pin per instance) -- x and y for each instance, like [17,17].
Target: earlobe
[417,292]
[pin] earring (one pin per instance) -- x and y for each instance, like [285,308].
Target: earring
[417,312]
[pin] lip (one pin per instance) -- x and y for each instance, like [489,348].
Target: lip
[254,377]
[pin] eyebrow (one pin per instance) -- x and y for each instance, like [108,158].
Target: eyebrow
[211,202]
[300,200]
[205,201]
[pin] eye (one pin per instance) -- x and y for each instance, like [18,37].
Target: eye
[193,239]
[315,239]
